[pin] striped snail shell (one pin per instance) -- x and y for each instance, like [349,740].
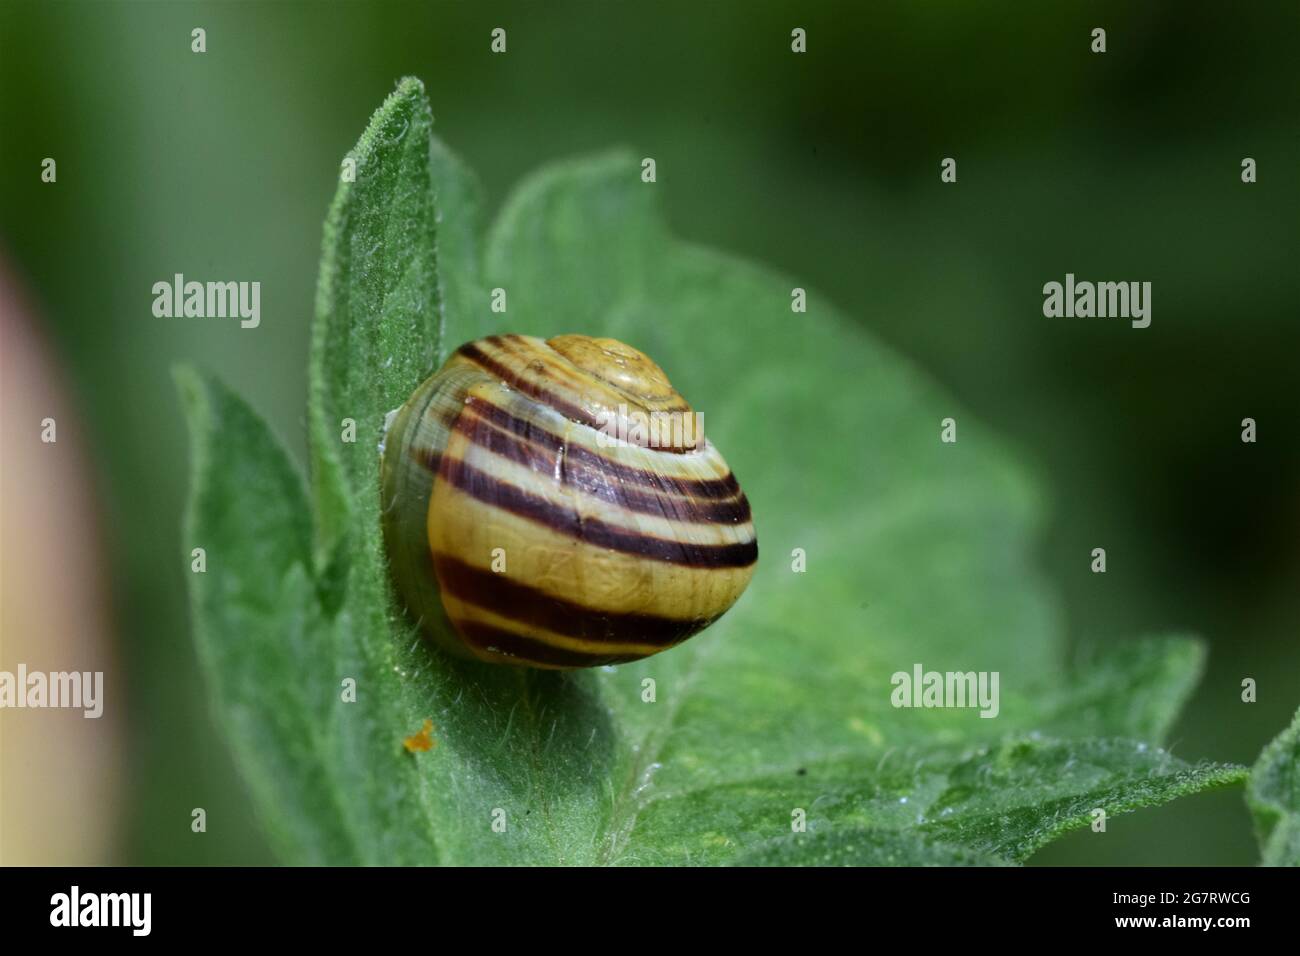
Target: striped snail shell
[524,526]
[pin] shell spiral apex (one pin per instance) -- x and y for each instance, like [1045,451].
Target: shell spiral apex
[554,503]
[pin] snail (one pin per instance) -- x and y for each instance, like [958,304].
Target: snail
[522,527]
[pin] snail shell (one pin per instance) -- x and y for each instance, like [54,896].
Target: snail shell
[518,531]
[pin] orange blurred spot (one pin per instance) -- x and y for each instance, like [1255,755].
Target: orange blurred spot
[422,741]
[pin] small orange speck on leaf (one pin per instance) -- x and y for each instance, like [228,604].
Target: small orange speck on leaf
[422,741]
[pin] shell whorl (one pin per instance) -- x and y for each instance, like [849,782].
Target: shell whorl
[516,534]
[620,366]
[589,381]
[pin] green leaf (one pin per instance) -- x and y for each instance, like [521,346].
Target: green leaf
[1134,690]
[862,847]
[331,780]
[1014,798]
[457,199]
[1273,794]
[919,552]
[987,804]
[251,604]
[379,316]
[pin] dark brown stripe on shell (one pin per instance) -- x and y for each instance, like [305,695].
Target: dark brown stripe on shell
[724,487]
[531,649]
[529,605]
[539,392]
[530,388]
[500,494]
[596,480]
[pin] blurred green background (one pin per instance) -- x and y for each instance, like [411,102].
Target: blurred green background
[1117,166]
